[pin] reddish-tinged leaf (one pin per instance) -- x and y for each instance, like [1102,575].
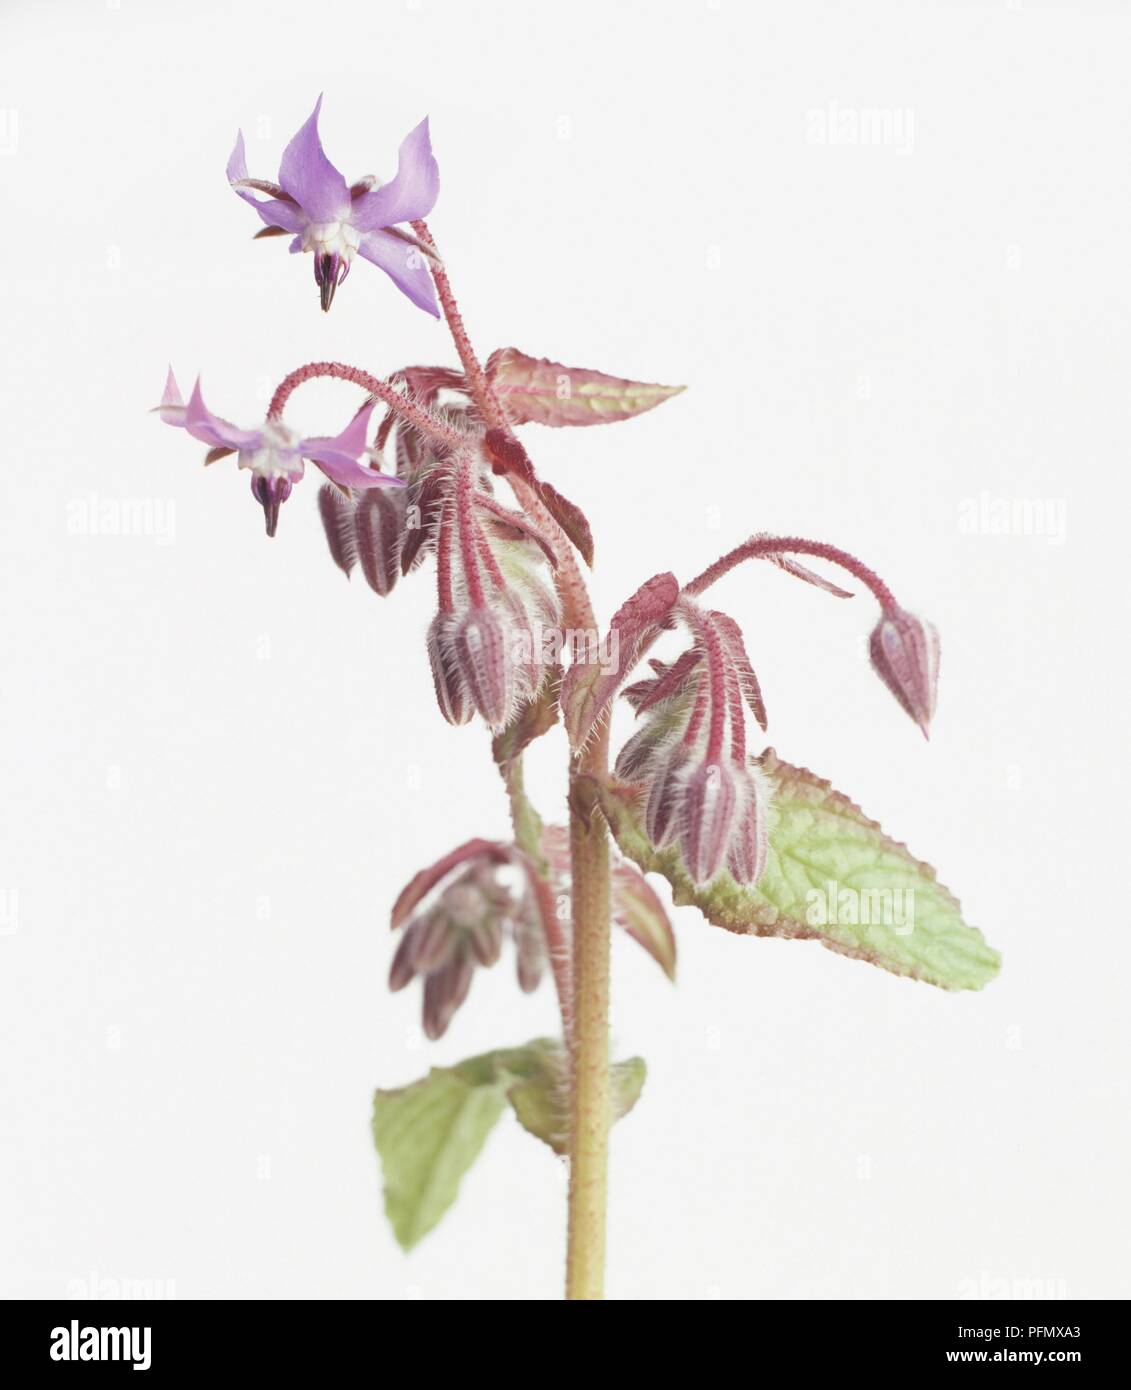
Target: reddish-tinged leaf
[589,688]
[799,571]
[548,393]
[422,883]
[637,908]
[570,518]
[508,455]
[536,717]
[426,383]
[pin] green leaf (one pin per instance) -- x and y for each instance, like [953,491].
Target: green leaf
[534,389]
[832,875]
[541,1098]
[429,1134]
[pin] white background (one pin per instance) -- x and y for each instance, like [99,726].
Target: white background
[220,761]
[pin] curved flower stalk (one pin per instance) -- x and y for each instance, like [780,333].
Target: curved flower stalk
[746,839]
[335,221]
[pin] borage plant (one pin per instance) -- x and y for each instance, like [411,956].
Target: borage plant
[760,846]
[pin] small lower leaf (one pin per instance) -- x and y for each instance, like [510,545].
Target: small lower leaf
[541,1098]
[428,1135]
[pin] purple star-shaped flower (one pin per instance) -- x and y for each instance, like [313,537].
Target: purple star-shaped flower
[336,221]
[274,453]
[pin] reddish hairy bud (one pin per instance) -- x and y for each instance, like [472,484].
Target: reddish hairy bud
[481,647]
[336,511]
[379,522]
[451,692]
[905,655]
[445,991]
[749,844]
[709,806]
[662,812]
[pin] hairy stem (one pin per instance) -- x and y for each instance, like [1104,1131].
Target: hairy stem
[482,392]
[587,1029]
[408,409]
[767,547]
[591,1091]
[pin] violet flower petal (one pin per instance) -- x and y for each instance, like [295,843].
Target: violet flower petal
[404,265]
[211,429]
[347,472]
[410,195]
[337,456]
[172,407]
[275,212]
[351,441]
[309,177]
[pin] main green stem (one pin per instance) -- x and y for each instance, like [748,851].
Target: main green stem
[591,1092]
[591,1103]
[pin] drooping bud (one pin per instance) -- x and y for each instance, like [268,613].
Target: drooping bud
[444,991]
[530,944]
[379,522]
[481,647]
[270,493]
[662,812]
[336,511]
[451,692]
[905,654]
[487,941]
[749,843]
[709,806]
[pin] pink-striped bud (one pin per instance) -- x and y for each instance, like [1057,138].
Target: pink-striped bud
[445,991]
[905,655]
[379,524]
[481,646]
[451,692]
[665,798]
[336,511]
[749,842]
[709,806]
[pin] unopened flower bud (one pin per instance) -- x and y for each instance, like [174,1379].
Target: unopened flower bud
[444,991]
[749,843]
[708,808]
[336,511]
[662,812]
[905,655]
[379,523]
[481,645]
[451,692]
[487,941]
